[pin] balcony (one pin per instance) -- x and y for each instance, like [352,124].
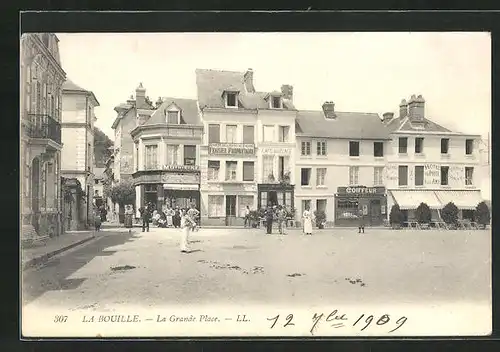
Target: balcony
[43,127]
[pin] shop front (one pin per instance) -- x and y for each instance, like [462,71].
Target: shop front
[168,187]
[271,194]
[350,200]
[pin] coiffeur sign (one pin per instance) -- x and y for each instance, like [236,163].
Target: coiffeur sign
[361,190]
[231,149]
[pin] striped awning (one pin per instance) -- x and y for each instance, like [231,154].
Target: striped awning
[466,199]
[409,199]
[181,186]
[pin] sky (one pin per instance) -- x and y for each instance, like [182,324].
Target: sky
[365,72]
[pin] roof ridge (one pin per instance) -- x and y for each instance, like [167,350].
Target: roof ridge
[219,70]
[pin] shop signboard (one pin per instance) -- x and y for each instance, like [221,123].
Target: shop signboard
[241,149]
[276,151]
[361,190]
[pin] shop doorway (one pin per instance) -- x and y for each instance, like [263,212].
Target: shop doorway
[230,205]
[375,212]
[272,198]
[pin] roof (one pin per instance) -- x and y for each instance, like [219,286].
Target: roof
[426,125]
[70,86]
[211,85]
[356,125]
[188,109]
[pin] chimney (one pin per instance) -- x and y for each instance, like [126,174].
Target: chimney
[287,91]
[140,97]
[329,109]
[416,108]
[387,116]
[248,80]
[403,109]
[131,100]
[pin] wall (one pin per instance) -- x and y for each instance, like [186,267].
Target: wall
[73,152]
[74,108]
[125,160]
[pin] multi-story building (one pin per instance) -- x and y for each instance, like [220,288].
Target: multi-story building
[429,163]
[41,77]
[129,115]
[340,162]
[248,145]
[166,157]
[78,119]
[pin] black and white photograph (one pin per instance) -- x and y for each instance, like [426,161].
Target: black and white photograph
[255,184]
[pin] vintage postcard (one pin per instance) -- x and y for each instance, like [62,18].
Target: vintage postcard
[255,184]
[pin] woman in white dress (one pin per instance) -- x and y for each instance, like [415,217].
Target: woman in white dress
[307,216]
[186,225]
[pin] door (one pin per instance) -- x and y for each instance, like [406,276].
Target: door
[375,212]
[230,206]
[272,198]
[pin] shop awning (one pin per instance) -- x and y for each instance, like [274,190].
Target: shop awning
[407,199]
[181,186]
[467,200]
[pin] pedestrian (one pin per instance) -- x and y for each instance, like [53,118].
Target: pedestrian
[361,218]
[282,220]
[145,215]
[186,224]
[128,215]
[247,216]
[170,214]
[177,217]
[97,221]
[269,220]
[193,214]
[307,216]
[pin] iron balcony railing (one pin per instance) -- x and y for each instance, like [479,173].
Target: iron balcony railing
[43,126]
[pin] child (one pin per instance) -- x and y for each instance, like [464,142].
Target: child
[97,222]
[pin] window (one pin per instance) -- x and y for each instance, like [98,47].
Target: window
[276,103]
[243,202]
[151,156]
[215,205]
[213,133]
[268,133]
[354,175]
[96,193]
[321,205]
[213,170]
[353,148]
[444,175]
[403,175]
[347,208]
[248,134]
[305,176]
[306,148]
[96,181]
[173,117]
[268,167]
[445,143]
[248,171]
[172,154]
[283,166]
[231,100]
[231,169]
[469,146]
[403,145]
[419,145]
[378,149]
[306,205]
[378,176]
[189,155]
[469,173]
[231,133]
[283,137]
[419,175]
[320,176]
[321,148]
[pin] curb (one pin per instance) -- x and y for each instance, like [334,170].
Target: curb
[45,257]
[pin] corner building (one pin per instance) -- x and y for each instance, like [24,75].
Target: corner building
[340,165]
[430,163]
[248,146]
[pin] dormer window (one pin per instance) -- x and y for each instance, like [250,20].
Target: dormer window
[231,100]
[173,117]
[276,103]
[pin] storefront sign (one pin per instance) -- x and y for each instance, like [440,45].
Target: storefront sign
[432,174]
[180,178]
[174,167]
[276,151]
[231,149]
[361,190]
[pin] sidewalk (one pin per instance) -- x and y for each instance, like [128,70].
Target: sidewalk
[36,254]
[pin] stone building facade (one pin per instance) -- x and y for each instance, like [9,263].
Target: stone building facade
[41,83]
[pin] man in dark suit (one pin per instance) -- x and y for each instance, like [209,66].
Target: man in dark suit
[269,220]
[361,218]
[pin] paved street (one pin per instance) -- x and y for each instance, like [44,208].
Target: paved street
[247,266]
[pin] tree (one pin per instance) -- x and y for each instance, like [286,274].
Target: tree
[123,193]
[423,214]
[450,214]
[482,214]
[102,145]
[396,216]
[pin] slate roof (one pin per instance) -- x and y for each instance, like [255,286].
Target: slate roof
[356,125]
[70,86]
[405,125]
[211,85]
[188,108]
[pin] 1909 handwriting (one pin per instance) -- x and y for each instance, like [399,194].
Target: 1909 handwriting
[340,320]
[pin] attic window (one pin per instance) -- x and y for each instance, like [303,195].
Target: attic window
[173,117]
[231,100]
[276,103]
